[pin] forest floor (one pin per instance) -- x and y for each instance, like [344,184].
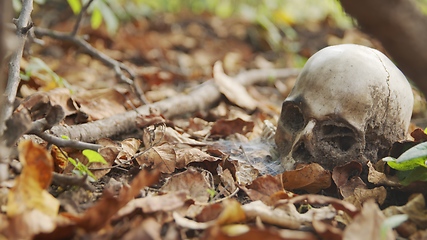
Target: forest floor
[177,167]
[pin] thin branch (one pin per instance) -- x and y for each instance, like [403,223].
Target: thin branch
[64,181]
[80,18]
[22,27]
[115,65]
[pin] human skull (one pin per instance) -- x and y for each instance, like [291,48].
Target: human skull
[350,102]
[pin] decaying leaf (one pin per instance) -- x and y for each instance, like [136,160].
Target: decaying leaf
[225,127]
[313,199]
[100,103]
[100,214]
[380,178]
[326,230]
[415,208]
[268,189]
[367,224]
[311,178]
[150,204]
[162,157]
[29,191]
[30,207]
[234,92]
[346,178]
[361,195]
[270,215]
[193,181]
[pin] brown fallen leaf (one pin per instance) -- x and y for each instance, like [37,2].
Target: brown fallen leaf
[311,178]
[380,178]
[60,161]
[234,91]
[187,155]
[231,213]
[313,199]
[361,195]
[367,224]
[30,208]
[162,158]
[246,232]
[29,191]
[150,204]
[149,228]
[194,181]
[271,215]
[415,208]
[346,177]
[224,127]
[326,230]
[268,189]
[99,215]
[100,103]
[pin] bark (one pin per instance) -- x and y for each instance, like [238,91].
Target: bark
[401,28]
[203,97]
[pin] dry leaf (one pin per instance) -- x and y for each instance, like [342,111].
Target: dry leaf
[100,214]
[100,103]
[234,91]
[150,204]
[379,178]
[187,155]
[224,128]
[313,199]
[162,158]
[30,208]
[415,208]
[270,215]
[361,195]
[29,191]
[311,178]
[268,189]
[231,213]
[367,224]
[193,181]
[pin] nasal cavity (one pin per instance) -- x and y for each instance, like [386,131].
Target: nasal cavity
[301,153]
[292,118]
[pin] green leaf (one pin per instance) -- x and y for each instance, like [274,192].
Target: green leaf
[111,21]
[417,151]
[94,156]
[211,192]
[406,165]
[65,137]
[417,174]
[96,18]
[75,5]
[72,161]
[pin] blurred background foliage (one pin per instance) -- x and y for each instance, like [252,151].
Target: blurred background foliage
[277,19]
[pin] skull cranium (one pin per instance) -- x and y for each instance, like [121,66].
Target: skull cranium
[350,102]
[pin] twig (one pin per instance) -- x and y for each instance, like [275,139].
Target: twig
[64,180]
[7,97]
[115,65]
[80,18]
[67,143]
[200,98]
[22,26]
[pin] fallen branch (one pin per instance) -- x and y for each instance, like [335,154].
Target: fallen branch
[202,97]
[80,42]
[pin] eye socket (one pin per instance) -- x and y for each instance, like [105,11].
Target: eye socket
[292,118]
[340,137]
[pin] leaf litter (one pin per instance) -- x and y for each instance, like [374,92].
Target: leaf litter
[211,175]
